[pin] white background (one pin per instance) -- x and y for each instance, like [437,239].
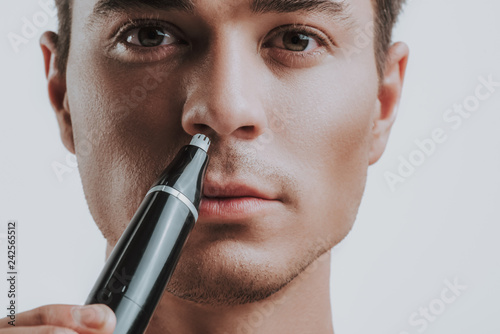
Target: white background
[441,224]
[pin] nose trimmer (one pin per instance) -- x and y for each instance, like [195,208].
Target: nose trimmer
[142,262]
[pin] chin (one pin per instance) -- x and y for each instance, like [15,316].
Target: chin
[228,271]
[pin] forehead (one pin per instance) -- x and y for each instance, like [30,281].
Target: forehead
[348,13]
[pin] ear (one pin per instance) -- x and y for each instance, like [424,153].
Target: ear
[57,88]
[388,98]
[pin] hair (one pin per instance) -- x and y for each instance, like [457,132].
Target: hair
[386,13]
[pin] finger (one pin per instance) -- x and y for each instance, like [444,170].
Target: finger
[37,330]
[89,319]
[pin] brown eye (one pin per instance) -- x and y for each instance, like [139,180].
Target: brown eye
[294,41]
[296,46]
[150,37]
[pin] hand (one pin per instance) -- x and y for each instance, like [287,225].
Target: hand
[62,319]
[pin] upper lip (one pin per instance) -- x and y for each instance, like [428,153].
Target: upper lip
[233,189]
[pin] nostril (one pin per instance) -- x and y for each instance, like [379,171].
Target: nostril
[200,127]
[248,128]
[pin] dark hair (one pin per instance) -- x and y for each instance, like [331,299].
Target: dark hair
[64,11]
[386,14]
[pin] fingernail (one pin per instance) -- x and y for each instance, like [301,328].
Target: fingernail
[91,316]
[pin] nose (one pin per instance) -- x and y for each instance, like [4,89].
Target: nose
[223,93]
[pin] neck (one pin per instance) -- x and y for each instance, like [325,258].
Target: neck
[303,306]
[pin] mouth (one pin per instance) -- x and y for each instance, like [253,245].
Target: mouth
[235,202]
[233,208]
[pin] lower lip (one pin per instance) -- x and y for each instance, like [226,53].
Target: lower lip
[231,208]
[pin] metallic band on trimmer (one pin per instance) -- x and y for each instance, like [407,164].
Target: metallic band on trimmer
[179,195]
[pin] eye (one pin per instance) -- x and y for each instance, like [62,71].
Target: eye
[150,36]
[295,41]
[297,46]
[146,40]
[298,42]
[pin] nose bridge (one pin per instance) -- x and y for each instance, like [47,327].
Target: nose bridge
[225,92]
[227,70]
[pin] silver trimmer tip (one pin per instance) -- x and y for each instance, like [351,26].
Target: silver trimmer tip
[201,141]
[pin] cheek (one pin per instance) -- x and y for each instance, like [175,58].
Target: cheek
[329,130]
[125,133]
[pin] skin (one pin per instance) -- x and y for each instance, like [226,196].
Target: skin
[302,126]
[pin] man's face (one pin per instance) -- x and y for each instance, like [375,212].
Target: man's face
[287,111]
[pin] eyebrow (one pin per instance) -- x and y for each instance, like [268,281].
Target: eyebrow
[337,9]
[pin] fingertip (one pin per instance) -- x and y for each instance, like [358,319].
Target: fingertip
[110,318]
[94,316]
